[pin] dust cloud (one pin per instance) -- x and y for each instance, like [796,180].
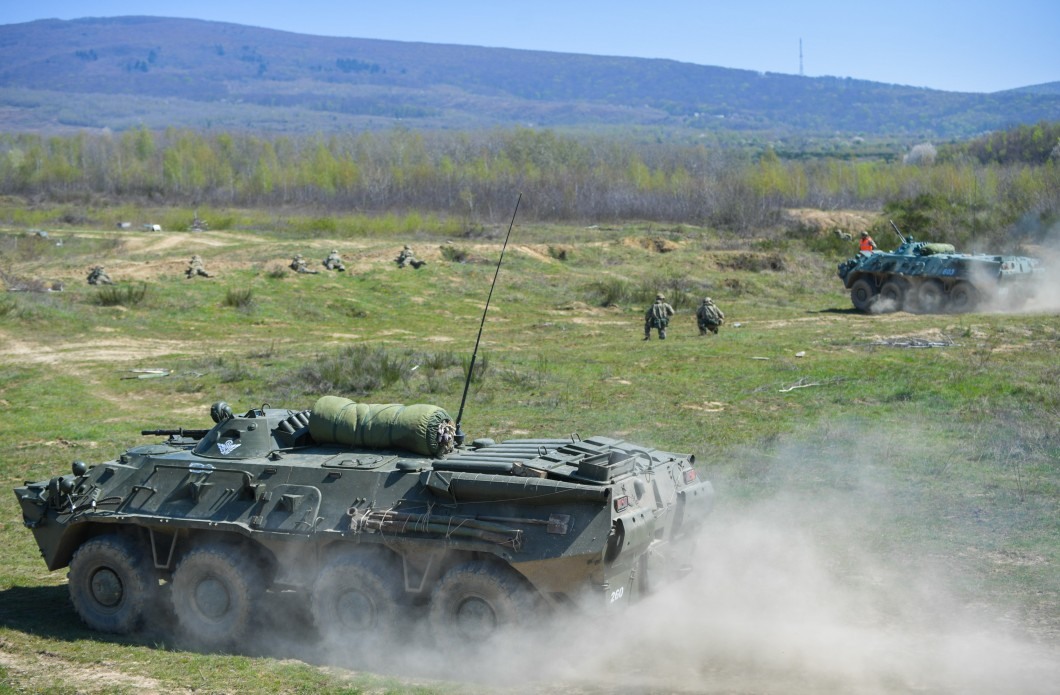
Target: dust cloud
[836,581]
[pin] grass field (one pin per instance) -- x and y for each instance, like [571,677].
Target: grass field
[888,486]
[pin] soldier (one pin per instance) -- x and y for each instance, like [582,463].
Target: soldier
[299,265]
[334,261]
[657,316]
[709,317]
[867,245]
[98,276]
[407,257]
[195,267]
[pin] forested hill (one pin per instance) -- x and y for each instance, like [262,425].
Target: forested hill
[125,72]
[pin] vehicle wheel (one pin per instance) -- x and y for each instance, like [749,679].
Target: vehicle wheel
[931,297]
[963,298]
[215,591]
[474,601]
[356,596]
[892,296]
[112,583]
[862,294]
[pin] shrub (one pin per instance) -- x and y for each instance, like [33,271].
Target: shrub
[453,253]
[609,292]
[121,295]
[239,298]
[356,370]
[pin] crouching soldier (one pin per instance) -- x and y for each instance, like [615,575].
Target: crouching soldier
[657,316]
[709,317]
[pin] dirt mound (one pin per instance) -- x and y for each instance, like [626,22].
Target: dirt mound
[656,244]
[828,221]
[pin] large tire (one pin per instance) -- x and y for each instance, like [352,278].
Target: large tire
[474,601]
[216,590]
[112,583]
[862,294]
[931,297]
[963,298]
[357,597]
[892,296]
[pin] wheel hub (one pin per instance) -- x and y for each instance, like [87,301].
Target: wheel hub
[355,611]
[475,618]
[106,587]
[211,597]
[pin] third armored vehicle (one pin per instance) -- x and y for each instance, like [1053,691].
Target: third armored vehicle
[932,278]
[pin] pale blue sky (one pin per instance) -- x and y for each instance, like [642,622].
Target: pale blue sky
[957,45]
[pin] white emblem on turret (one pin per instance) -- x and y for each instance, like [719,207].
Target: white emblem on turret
[227,447]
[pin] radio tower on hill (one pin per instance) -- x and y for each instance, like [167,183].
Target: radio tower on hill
[800,58]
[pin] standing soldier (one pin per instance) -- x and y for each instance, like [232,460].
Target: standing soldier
[334,261]
[657,316]
[195,268]
[867,244]
[709,317]
[98,276]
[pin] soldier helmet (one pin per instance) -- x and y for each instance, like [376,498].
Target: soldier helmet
[334,250]
[708,300]
[660,296]
[407,247]
[864,234]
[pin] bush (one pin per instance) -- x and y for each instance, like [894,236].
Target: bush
[356,371]
[239,298]
[121,295]
[453,254]
[609,292]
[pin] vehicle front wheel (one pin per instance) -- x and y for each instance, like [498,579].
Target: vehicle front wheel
[112,583]
[215,592]
[862,294]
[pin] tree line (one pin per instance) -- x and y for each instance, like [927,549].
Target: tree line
[563,178]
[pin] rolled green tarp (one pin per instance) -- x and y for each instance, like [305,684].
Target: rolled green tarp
[934,247]
[420,428]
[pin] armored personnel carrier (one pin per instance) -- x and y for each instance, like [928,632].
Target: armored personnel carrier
[374,513]
[934,278]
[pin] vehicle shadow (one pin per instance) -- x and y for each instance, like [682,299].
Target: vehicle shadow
[46,611]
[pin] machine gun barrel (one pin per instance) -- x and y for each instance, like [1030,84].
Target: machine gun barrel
[896,231]
[178,432]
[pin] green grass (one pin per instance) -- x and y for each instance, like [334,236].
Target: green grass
[962,441]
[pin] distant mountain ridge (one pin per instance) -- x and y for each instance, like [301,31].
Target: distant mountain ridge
[128,71]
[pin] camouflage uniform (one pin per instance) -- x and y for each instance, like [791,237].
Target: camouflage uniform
[334,261]
[298,265]
[709,317]
[657,316]
[195,267]
[407,257]
[98,276]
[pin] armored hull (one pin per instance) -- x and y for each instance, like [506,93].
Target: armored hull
[933,278]
[368,519]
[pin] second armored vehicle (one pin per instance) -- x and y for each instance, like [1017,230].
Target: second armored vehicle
[934,278]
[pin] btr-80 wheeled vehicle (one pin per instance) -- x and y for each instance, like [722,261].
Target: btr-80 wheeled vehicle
[369,511]
[933,278]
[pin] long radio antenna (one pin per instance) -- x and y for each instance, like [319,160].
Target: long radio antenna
[471,367]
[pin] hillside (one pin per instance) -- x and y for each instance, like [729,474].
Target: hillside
[119,73]
[888,500]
